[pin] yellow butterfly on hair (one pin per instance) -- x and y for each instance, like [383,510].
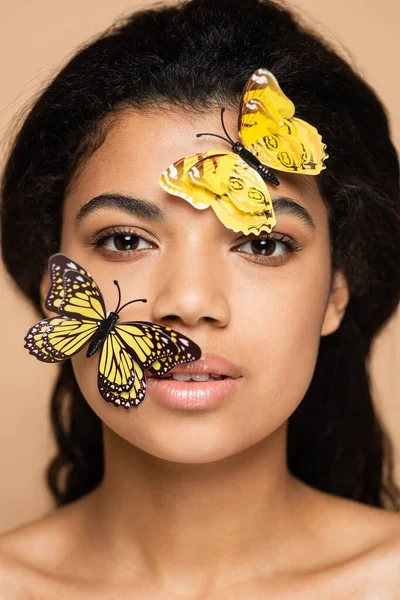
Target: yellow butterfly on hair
[126,349]
[234,183]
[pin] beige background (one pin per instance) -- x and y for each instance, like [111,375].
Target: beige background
[36,39]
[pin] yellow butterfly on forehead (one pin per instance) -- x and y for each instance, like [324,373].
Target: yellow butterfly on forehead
[126,349]
[234,183]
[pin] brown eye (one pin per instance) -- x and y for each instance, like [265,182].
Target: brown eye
[271,250]
[125,242]
[264,247]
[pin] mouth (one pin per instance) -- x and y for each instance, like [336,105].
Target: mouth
[192,395]
[209,366]
[188,377]
[201,384]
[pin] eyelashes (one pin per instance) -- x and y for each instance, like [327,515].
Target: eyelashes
[123,239]
[124,242]
[267,241]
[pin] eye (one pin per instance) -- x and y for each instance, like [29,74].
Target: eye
[124,242]
[264,246]
[118,240]
[271,249]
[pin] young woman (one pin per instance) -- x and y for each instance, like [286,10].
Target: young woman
[284,487]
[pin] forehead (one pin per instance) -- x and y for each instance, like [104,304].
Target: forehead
[141,143]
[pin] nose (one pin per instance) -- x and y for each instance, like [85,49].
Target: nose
[191,289]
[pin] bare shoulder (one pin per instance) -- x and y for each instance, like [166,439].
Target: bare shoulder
[383,561]
[364,529]
[365,542]
[379,565]
[15,578]
[10,588]
[29,554]
[358,545]
[32,539]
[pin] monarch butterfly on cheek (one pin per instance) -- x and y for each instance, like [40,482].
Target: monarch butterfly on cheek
[234,183]
[126,349]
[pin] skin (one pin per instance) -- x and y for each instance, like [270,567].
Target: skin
[200,504]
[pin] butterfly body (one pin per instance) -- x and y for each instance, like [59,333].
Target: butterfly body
[253,161]
[106,326]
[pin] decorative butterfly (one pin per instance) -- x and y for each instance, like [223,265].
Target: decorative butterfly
[126,349]
[234,183]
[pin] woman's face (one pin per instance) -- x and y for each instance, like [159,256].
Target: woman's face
[262,305]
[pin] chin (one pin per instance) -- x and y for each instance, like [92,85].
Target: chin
[182,441]
[189,454]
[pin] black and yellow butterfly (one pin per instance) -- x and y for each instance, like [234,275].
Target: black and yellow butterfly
[234,183]
[126,349]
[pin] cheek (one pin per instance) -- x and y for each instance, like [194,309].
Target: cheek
[283,335]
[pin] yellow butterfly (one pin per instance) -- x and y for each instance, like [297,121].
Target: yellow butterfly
[127,349]
[234,183]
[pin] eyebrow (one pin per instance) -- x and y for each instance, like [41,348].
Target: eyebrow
[133,206]
[288,206]
[147,210]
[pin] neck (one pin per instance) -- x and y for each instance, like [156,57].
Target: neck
[199,524]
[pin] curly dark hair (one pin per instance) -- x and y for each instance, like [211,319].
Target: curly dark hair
[198,54]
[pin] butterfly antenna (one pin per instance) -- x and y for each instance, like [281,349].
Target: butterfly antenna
[223,126]
[131,302]
[228,137]
[119,294]
[214,135]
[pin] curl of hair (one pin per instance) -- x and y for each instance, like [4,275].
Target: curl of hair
[197,55]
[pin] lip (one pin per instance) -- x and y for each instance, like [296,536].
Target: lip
[207,363]
[197,394]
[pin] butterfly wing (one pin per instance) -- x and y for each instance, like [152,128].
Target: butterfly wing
[200,178]
[213,171]
[131,398]
[297,148]
[237,193]
[36,339]
[150,346]
[82,298]
[185,351]
[128,344]
[116,367]
[246,222]
[243,202]
[58,338]
[269,130]
[175,181]
[58,264]
[262,99]
[76,298]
